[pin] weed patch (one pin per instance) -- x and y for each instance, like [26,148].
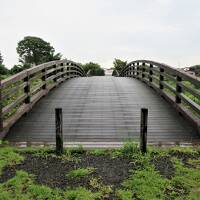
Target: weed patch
[80,172]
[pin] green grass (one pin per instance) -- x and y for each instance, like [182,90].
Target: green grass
[146,184]
[104,190]
[124,194]
[185,182]
[98,152]
[9,157]
[22,187]
[80,172]
[81,194]
[144,181]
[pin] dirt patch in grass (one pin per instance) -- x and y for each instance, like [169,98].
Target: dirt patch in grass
[164,165]
[52,171]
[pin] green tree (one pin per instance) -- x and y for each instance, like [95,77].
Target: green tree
[95,69]
[196,69]
[1,59]
[119,64]
[3,69]
[16,69]
[34,50]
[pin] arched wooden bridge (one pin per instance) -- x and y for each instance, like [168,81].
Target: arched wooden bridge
[100,109]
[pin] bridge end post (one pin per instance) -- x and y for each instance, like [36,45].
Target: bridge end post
[59,131]
[143,130]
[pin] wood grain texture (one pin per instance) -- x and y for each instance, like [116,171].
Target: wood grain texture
[103,109]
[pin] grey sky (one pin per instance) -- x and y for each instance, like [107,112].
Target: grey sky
[101,30]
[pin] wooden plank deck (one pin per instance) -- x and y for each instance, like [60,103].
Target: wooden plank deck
[104,109]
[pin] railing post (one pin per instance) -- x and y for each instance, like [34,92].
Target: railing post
[161,78]
[59,131]
[44,86]
[69,70]
[143,70]
[27,89]
[62,70]
[150,73]
[1,107]
[55,72]
[133,70]
[138,69]
[143,130]
[178,89]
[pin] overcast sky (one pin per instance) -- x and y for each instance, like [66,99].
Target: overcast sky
[100,30]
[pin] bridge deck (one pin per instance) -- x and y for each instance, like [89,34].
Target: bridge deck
[102,109]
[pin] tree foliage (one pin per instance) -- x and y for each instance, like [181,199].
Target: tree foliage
[34,50]
[196,69]
[3,69]
[119,64]
[1,59]
[95,69]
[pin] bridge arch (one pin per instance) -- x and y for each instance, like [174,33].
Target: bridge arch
[99,108]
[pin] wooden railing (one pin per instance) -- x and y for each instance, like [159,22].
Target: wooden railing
[181,89]
[20,92]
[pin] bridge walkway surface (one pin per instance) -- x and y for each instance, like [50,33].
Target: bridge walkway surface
[103,109]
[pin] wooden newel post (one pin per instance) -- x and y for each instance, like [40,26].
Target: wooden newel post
[143,130]
[59,131]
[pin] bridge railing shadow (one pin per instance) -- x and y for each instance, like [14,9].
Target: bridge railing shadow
[179,88]
[20,92]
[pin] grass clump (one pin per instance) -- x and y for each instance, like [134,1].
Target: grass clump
[124,194]
[22,187]
[185,183]
[194,163]
[146,184]
[105,190]
[80,172]
[81,194]
[181,150]
[98,152]
[9,157]
[129,149]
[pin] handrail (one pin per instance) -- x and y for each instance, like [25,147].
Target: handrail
[19,93]
[179,88]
